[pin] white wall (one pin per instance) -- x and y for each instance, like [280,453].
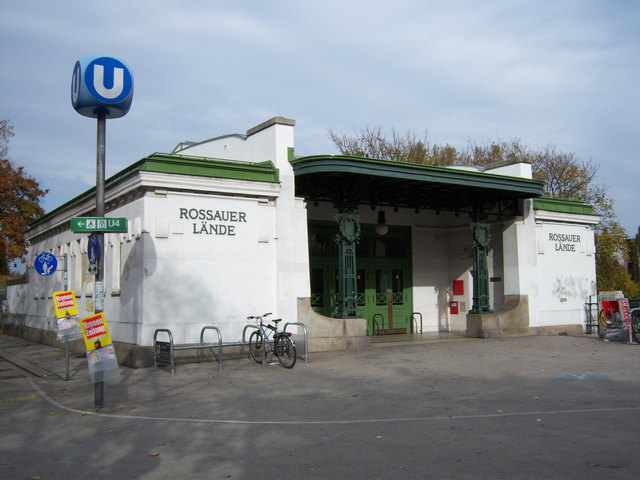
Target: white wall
[460,253]
[34,299]
[565,274]
[289,228]
[430,277]
[195,276]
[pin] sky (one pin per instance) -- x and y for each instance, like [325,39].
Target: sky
[548,72]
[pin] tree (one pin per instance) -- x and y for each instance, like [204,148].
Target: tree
[564,176]
[19,202]
[371,142]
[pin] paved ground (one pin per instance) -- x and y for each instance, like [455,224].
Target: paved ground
[532,407]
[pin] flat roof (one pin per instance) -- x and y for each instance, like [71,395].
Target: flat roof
[345,179]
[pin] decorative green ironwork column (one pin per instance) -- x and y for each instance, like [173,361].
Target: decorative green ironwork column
[480,273]
[347,238]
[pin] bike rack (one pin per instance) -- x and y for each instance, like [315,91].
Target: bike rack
[284,329]
[202,345]
[264,335]
[244,331]
[264,339]
[414,321]
[161,347]
[304,329]
[157,348]
[375,324]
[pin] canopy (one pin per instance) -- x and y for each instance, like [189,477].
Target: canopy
[348,181]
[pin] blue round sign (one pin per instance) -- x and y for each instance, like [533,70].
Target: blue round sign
[93,249]
[101,86]
[45,264]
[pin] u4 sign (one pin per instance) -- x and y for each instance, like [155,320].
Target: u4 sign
[99,224]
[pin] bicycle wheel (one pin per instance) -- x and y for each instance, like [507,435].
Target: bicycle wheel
[286,351]
[602,318]
[256,346]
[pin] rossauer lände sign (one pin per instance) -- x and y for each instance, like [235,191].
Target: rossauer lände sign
[564,242]
[213,222]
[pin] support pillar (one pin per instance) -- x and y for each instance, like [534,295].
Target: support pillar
[480,273]
[347,238]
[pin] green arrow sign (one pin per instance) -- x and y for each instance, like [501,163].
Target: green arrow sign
[99,224]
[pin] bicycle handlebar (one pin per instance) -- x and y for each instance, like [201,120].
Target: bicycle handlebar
[258,317]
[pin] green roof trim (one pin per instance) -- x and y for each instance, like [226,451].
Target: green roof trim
[414,172]
[175,164]
[203,167]
[562,205]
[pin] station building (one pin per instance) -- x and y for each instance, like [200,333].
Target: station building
[352,247]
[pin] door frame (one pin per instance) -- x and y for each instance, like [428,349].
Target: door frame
[394,300]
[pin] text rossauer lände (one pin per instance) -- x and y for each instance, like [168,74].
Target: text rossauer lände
[206,216]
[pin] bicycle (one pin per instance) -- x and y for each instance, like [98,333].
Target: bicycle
[268,339]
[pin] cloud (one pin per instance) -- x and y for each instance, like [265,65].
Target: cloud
[559,71]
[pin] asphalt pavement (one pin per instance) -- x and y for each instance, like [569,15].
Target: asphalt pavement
[515,408]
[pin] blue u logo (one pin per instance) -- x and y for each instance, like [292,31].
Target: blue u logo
[98,82]
[108,79]
[101,86]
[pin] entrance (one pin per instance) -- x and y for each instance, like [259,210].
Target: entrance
[383,276]
[387,309]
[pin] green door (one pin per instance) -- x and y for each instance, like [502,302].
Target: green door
[387,300]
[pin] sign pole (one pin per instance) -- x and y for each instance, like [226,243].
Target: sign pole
[65,277]
[100,207]
[101,88]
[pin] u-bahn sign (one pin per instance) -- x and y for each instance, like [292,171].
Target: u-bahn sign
[101,86]
[99,224]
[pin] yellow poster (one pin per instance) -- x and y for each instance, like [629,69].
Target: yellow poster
[95,332]
[65,303]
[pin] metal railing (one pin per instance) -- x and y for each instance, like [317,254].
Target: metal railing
[160,351]
[202,346]
[164,352]
[374,324]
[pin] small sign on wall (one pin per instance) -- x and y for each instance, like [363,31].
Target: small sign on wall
[454,308]
[458,287]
